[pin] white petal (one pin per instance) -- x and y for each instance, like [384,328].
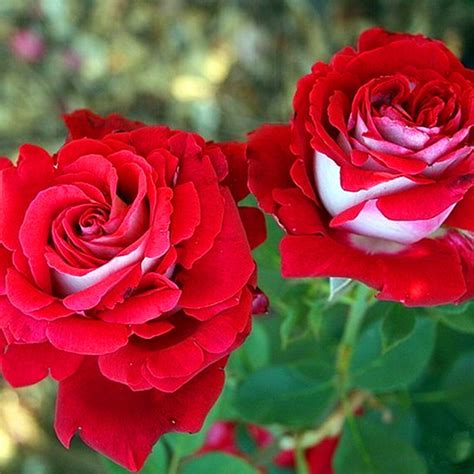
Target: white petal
[336,199]
[69,284]
[372,223]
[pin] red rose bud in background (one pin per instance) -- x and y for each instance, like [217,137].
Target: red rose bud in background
[223,436]
[27,45]
[374,180]
[127,276]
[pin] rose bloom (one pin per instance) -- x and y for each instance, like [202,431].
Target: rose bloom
[127,276]
[223,436]
[374,178]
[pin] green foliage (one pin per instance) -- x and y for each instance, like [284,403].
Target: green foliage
[460,318]
[459,387]
[292,395]
[217,462]
[370,448]
[379,370]
[397,325]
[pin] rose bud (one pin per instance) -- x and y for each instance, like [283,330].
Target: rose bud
[127,276]
[27,45]
[374,178]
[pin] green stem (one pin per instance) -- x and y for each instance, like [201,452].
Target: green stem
[301,465]
[174,464]
[346,347]
[351,331]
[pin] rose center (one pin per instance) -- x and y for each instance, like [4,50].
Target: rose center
[429,105]
[91,222]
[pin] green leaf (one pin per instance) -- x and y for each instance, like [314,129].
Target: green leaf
[217,463]
[293,395]
[459,387]
[370,448]
[397,325]
[157,462]
[376,370]
[293,327]
[398,419]
[456,308]
[279,470]
[459,318]
[268,263]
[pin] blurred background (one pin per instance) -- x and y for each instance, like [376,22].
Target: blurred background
[219,67]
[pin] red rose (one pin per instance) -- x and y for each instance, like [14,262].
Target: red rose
[127,276]
[374,180]
[222,436]
[318,457]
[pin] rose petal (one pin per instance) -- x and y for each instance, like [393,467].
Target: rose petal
[84,123]
[21,328]
[87,336]
[160,295]
[186,212]
[26,364]
[254,224]
[367,219]
[416,276]
[265,144]
[225,269]
[100,409]
[29,299]
[336,199]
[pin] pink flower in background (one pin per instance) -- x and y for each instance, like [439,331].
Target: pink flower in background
[71,59]
[27,45]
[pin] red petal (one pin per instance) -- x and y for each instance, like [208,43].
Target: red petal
[87,336]
[297,213]
[18,186]
[254,224]
[270,160]
[26,364]
[236,179]
[180,360]
[36,227]
[161,295]
[5,264]
[21,328]
[426,274]
[462,216]
[84,123]
[29,299]
[159,240]
[201,172]
[186,212]
[415,276]
[106,289]
[319,457]
[226,330]
[70,152]
[124,425]
[224,270]
[425,202]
